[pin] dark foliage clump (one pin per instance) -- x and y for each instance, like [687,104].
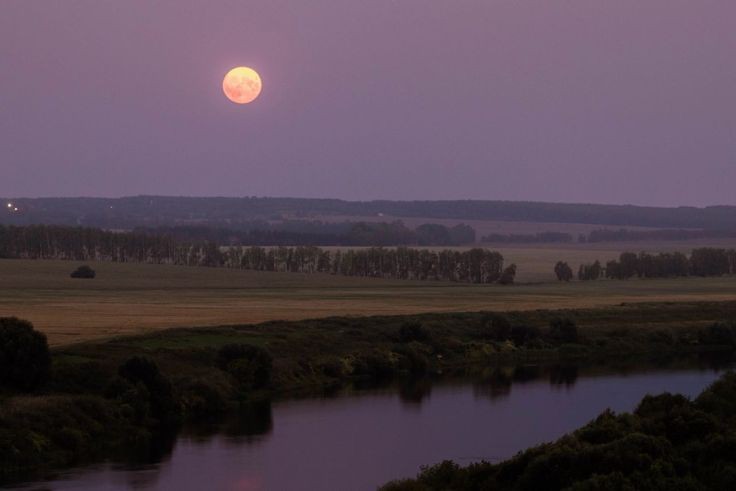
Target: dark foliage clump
[25,361]
[719,334]
[375,365]
[563,330]
[563,271]
[146,391]
[84,272]
[250,365]
[508,275]
[413,331]
[522,335]
[495,327]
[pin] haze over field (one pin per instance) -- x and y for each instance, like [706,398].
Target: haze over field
[577,101]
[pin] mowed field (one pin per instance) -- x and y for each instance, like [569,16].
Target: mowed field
[135,298]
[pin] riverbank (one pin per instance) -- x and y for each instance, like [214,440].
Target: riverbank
[106,398]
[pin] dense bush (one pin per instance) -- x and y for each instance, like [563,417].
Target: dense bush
[251,366]
[719,334]
[508,275]
[375,365]
[563,330]
[413,331]
[522,335]
[25,361]
[563,271]
[495,327]
[147,391]
[84,272]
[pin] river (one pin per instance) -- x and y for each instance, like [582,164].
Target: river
[358,439]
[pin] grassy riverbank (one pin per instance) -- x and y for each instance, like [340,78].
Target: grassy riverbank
[104,398]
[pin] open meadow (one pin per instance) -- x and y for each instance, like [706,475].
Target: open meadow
[136,298]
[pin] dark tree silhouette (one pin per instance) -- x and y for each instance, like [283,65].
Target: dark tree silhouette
[25,361]
[563,271]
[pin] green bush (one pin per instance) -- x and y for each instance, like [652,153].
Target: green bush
[251,366]
[413,331]
[495,327]
[563,330]
[25,361]
[719,334]
[522,335]
[148,390]
[84,272]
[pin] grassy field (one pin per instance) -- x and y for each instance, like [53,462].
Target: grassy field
[136,298]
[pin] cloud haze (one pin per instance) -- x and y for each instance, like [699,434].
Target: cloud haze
[627,101]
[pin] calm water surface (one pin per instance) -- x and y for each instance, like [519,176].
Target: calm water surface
[361,439]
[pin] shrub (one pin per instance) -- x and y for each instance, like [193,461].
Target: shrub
[563,271]
[522,335]
[508,275]
[148,388]
[563,330]
[413,331]
[83,271]
[719,334]
[25,361]
[375,365]
[250,365]
[495,327]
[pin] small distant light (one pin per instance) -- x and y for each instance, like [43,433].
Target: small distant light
[15,209]
[10,205]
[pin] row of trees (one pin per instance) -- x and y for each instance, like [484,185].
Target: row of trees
[704,261]
[85,244]
[471,266]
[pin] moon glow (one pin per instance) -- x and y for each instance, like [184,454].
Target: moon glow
[241,85]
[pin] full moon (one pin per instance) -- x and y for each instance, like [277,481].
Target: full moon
[242,85]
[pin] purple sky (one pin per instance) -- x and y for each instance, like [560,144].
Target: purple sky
[625,101]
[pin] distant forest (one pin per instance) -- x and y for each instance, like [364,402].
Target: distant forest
[608,235]
[154,211]
[85,244]
[292,233]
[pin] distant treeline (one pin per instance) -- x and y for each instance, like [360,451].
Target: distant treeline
[538,238]
[153,211]
[607,235]
[625,235]
[305,233]
[84,244]
[704,261]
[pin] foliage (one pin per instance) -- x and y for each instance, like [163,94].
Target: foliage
[508,275]
[495,327]
[147,390]
[563,330]
[25,361]
[250,365]
[413,331]
[84,272]
[589,272]
[522,335]
[563,271]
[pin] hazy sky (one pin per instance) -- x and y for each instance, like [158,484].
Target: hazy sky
[616,101]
